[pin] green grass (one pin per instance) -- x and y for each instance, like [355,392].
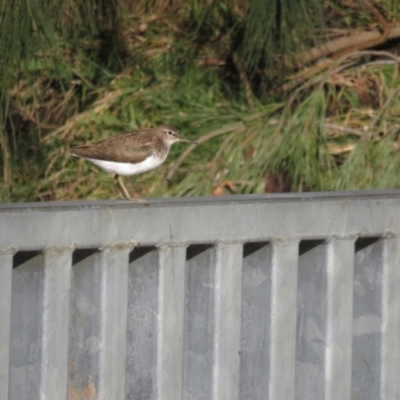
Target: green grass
[164,82]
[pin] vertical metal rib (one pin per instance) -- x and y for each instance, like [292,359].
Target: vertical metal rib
[26,329]
[199,322]
[311,320]
[141,355]
[390,323]
[171,303]
[57,265]
[84,341]
[6,263]
[227,321]
[114,263]
[283,319]
[366,319]
[338,352]
[255,330]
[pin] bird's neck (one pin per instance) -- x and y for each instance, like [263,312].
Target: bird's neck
[162,151]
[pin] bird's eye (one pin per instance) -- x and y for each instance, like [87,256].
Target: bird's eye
[170,132]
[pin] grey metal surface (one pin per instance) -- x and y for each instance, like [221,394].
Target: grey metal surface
[170,322]
[226,310]
[339,314]
[6,263]
[390,321]
[26,330]
[55,322]
[247,297]
[142,325]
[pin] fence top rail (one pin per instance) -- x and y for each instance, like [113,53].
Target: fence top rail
[94,224]
[205,200]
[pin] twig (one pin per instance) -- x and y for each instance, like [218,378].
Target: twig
[378,53]
[389,99]
[222,147]
[304,86]
[381,19]
[344,129]
[243,78]
[336,67]
[235,128]
[312,72]
[381,63]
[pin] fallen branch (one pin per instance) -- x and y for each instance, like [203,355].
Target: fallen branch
[341,47]
[334,66]
[338,45]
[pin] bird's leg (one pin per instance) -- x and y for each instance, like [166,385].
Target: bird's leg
[124,192]
[122,188]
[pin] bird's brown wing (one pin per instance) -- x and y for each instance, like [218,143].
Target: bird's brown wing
[130,147]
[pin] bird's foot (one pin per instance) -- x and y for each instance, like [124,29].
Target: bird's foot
[125,193]
[145,201]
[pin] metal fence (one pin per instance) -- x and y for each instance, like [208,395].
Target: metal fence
[248,297]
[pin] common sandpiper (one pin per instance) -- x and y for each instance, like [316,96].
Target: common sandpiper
[130,153]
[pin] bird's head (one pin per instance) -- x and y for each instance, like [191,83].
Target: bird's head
[170,136]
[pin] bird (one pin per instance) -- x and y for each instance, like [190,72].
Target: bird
[130,153]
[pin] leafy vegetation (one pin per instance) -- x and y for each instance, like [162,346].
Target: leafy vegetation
[254,82]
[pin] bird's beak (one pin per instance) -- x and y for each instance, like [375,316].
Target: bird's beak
[187,140]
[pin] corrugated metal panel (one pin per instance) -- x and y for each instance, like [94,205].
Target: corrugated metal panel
[249,297]
[6,263]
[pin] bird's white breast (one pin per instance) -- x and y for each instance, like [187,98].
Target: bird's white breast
[127,169]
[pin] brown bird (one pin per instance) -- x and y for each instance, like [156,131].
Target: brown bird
[130,153]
